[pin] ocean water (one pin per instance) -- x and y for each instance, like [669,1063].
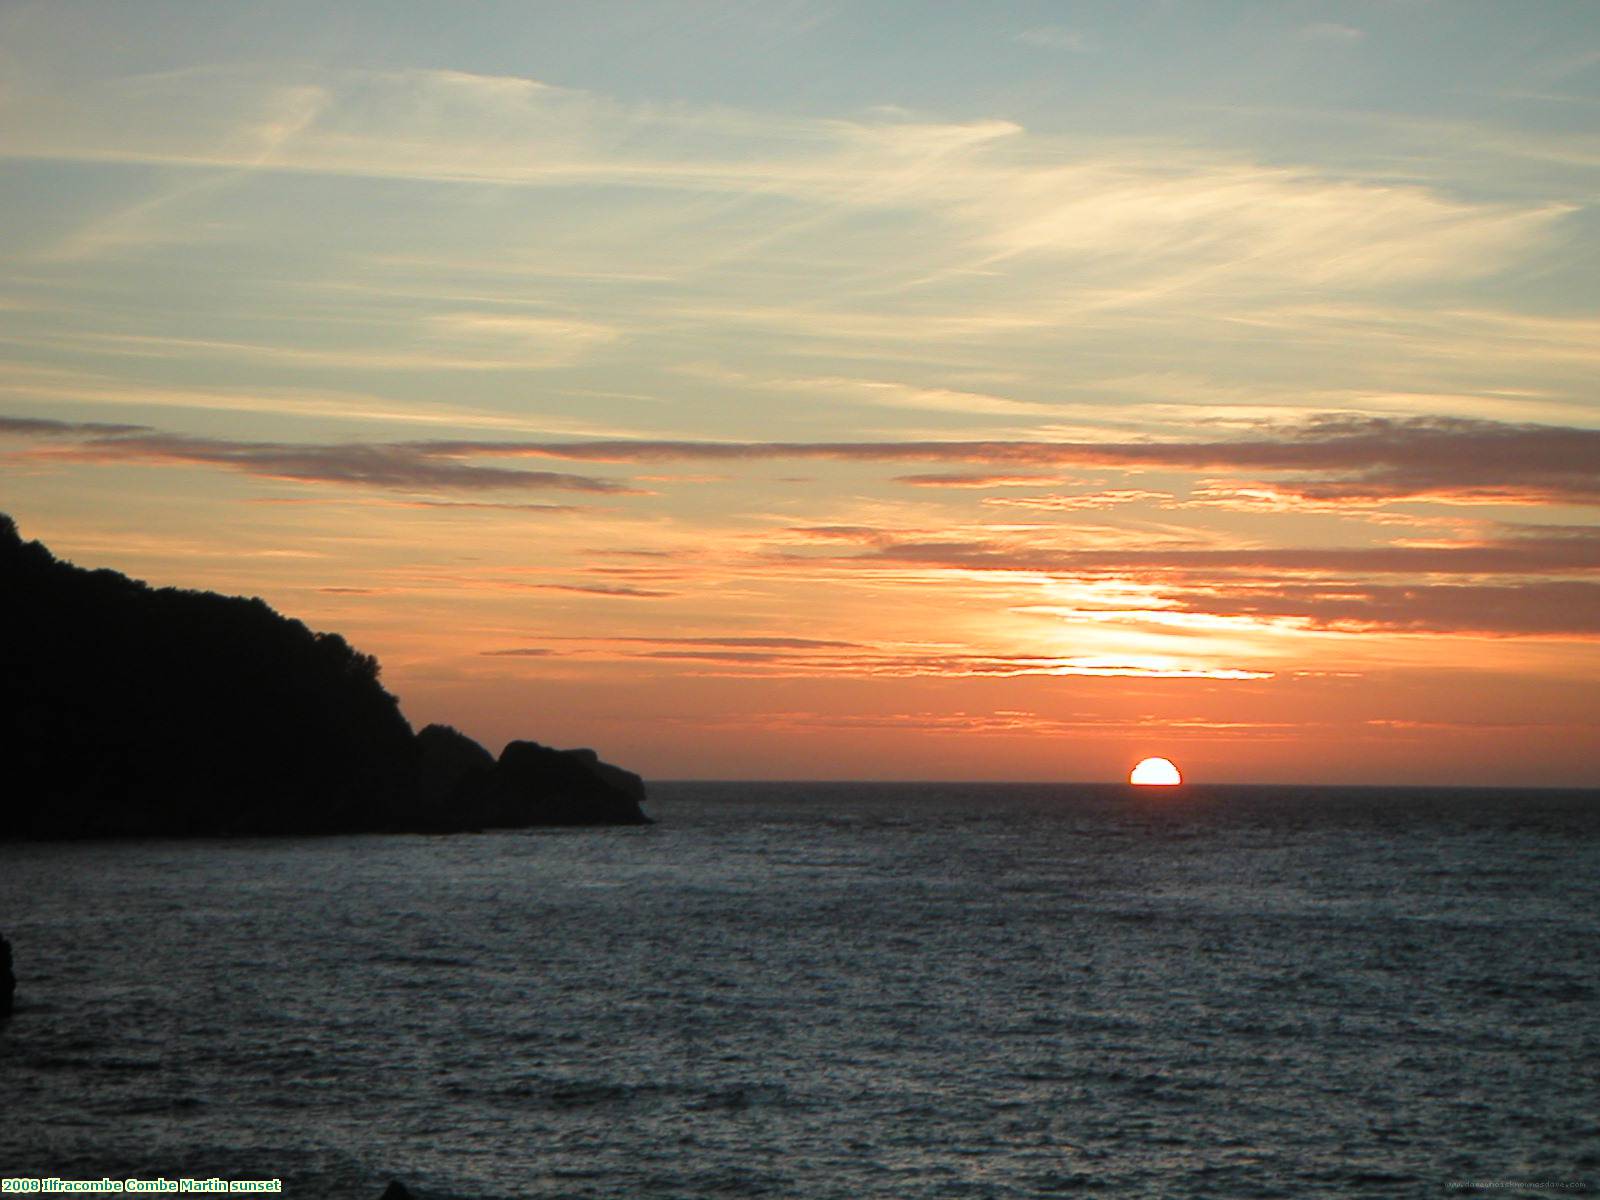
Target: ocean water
[831,990]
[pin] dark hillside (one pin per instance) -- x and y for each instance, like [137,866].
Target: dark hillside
[134,710]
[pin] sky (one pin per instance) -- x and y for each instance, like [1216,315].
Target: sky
[843,390]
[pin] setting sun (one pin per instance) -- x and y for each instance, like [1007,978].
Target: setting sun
[1156,772]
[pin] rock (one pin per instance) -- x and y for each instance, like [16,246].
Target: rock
[8,979]
[452,776]
[447,754]
[536,785]
[461,785]
[396,1191]
[622,780]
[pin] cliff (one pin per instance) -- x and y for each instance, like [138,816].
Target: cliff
[133,710]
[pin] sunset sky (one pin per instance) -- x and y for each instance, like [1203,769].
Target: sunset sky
[818,390]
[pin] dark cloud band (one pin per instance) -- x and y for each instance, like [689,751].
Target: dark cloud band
[1347,457]
[1329,459]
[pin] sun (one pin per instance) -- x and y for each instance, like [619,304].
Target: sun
[1157,772]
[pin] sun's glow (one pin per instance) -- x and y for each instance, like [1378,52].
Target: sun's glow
[1156,772]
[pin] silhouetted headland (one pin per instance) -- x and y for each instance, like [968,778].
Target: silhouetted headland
[159,711]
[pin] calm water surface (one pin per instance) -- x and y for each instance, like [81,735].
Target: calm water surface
[831,991]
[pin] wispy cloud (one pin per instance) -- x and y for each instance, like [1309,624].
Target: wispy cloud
[451,342]
[764,642]
[349,500]
[30,383]
[1083,500]
[821,658]
[603,589]
[500,339]
[1534,551]
[1348,457]
[973,479]
[1019,723]
[1554,608]
[1336,458]
[993,190]
[381,466]
[46,428]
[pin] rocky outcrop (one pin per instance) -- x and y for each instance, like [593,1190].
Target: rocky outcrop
[146,711]
[542,786]
[462,783]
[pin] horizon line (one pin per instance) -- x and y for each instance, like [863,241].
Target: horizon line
[1186,784]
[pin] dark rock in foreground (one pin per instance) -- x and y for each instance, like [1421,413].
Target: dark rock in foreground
[141,711]
[396,1191]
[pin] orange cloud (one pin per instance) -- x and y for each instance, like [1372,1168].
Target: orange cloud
[958,479]
[812,658]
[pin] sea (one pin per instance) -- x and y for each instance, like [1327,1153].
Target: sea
[831,990]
